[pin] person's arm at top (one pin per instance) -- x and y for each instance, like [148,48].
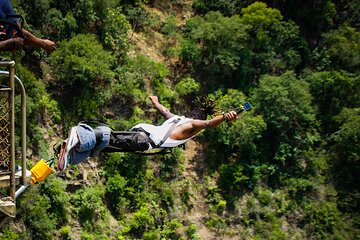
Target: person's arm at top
[11,44]
[163,110]
[30,40]
[33,41]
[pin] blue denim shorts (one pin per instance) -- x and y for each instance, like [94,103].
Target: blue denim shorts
[88,146]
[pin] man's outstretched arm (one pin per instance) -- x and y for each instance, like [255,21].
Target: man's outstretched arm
[214,122]
[11,44]
[163,110]
[189,129]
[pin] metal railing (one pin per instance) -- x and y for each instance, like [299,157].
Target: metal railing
[8,131]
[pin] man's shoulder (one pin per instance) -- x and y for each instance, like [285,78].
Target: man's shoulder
[181,118]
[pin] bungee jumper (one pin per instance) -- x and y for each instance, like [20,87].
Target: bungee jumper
[84,141]
[13,36]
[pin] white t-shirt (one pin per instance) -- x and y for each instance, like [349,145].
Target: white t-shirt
[157,133]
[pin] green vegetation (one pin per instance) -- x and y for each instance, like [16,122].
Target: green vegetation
[287,169]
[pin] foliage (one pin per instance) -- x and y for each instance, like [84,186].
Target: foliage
[259,16]
[89,206]
[312,17]
[116,193]
[347,137]
[323,219]
[82,68]
[140,19]
[116,29]
[342,47]
[170,26]
[189,51]
[36,11]
[231,100]
[35,212]
[285,104]
[83,59]
[332,91]
[236,50]
[221,42]
[60,27]
[346,157]
[227,8]
[191,231]
[85,13]
[187,86]
[8,234]
[138,73]
[286,169]
[54,189]
[298,187]
[233,151]
[39,107]
[348,12]
[65,232]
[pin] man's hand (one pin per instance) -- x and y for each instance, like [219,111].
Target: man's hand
[154,99]
[163,110]
[229,116]
[49,46]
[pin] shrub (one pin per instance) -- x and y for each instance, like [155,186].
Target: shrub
[186,86]
[116,29]
[116,193]
[35,211]
[191,232]
[88,204]
[322,219]
[82,72]
[65,232]
[54,189]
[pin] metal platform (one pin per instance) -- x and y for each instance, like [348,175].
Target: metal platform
[5,179]
[14,179]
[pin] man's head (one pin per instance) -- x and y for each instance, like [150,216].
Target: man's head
[204,107]
[198,113]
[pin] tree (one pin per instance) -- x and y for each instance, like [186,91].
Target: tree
[233,148]
[116,29]
[137,75]
[332,91]
[235,51]
[187,86]
[85,14]
[346,156]
[221,43]
[82,71]
[35,214]
[313,17]
[348,12]
[226,7]
[58,27]
[285,104]
[341,49]
[36,11]
[276,44]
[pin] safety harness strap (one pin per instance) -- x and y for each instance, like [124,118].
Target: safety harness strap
[175,121]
